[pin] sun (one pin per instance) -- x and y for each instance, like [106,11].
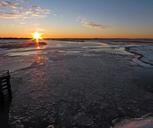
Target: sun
[37,36]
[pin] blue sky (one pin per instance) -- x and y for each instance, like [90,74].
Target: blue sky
[74,18]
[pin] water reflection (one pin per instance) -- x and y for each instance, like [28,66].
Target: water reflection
[38,47]
[39,58]
[37,44]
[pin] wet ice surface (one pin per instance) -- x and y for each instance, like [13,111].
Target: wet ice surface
[76,85]
[136,123]
[146,51]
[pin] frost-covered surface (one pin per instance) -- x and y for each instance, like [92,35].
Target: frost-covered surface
[76,85]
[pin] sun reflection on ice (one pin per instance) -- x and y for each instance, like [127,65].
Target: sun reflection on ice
[36,36]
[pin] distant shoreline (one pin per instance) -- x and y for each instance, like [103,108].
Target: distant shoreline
[1,38]
[117,40]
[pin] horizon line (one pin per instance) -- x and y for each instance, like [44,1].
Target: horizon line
[75,38]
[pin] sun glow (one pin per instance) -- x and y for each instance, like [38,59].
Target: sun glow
[37,36]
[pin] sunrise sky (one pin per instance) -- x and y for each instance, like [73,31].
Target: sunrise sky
[77,18]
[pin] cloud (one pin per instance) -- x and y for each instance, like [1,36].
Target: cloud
[90,24]
[17,9]
[10,4]
[36,11]
[9,15]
